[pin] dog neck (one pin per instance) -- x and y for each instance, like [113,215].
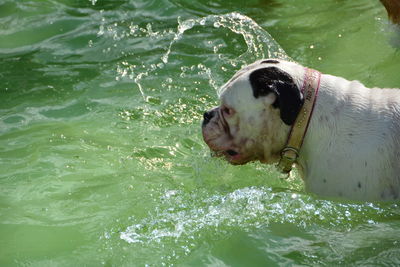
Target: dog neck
[298,131]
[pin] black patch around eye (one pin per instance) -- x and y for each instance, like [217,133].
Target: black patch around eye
[288,97]
[268,80]
[271,61]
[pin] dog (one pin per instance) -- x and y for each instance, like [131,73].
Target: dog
[348,145]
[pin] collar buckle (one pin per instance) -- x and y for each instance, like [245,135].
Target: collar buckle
[289,156]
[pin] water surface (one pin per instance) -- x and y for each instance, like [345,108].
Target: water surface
[102,159]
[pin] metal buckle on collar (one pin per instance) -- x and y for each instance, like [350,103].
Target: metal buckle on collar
[288,158]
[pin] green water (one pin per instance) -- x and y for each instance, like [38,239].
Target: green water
[102,159]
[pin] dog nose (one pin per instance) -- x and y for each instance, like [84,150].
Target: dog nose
[208,116]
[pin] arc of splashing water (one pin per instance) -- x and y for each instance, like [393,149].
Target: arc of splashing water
[239,24]
[260,43]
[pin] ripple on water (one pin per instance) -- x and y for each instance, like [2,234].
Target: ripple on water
[183,217]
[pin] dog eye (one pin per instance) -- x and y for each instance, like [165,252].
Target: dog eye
[227,111]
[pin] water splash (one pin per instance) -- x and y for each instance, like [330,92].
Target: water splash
[184,219]
[249,208]
[259,42]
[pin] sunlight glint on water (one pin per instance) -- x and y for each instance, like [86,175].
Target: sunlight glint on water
[183,218]
[100,143]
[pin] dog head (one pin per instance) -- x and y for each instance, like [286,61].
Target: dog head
[258,105]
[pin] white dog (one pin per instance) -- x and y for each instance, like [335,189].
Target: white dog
[349,145]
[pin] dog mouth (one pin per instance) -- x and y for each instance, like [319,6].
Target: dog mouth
[231,152]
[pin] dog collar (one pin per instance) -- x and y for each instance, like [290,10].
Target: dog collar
[310,89]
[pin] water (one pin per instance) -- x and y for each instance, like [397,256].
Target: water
[102,159]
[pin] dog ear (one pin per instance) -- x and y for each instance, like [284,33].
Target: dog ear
[288,97]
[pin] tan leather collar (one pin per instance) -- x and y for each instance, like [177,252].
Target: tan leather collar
[310,89]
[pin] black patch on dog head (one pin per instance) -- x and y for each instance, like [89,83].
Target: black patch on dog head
[288,97]
[270,61]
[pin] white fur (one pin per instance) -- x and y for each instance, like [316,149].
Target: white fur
[352,146]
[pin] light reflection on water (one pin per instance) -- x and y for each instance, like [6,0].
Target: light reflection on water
[184,218]
[104,159]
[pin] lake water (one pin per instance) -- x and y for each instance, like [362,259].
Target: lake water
[102,159]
